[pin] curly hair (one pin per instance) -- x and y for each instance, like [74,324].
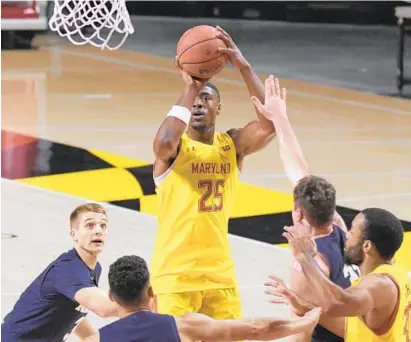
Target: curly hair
[384,230]
[128,277]
[316,196]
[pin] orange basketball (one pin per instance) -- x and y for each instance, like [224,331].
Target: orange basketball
[197,52]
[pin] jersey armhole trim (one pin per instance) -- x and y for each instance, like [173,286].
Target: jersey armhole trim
[160,179]
[396,308]
[235,149]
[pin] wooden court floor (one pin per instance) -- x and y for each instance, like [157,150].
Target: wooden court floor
[63,106]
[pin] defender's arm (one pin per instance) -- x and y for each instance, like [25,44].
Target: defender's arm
[375,291]
[203,328]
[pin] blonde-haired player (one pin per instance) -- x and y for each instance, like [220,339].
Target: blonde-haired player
[56,303]
[196,172]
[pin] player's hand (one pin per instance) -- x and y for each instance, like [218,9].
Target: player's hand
[300,240]
[281,294]
[190,81]
[313,316]
[237,59]
[274,101]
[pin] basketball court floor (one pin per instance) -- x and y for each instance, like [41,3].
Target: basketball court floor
[78,125]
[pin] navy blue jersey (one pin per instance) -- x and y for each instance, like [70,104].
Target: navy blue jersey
[331,247]
[141,326]
[47,311]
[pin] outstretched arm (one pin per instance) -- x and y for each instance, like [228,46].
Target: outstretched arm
[275,110]
[281,294]
[374,291]
[258,133]
[72,280]
[200,327]
[167,140]
[97,301]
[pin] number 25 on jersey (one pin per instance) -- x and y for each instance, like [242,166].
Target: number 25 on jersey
[212,199]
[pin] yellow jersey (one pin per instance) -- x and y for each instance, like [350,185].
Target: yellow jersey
[400,331]
[196,197]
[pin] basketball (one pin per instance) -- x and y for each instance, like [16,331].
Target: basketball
[197,52]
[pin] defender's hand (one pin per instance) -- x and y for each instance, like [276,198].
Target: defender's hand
[274,102]
[281,294]
[300,240]
[237,59]
[313,316]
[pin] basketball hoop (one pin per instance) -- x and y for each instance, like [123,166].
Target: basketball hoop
[101,19]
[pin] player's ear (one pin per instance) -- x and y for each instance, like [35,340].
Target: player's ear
[73,234]
[110,295]
[367,246]
[218,108]
[297,215]
[150,292]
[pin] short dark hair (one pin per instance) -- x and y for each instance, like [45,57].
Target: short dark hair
[316,196]
[212,86]
[128,276]
[384,230]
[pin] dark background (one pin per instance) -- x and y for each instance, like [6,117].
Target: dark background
[354,12]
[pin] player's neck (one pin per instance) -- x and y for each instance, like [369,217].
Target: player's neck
[127,311]
[370,264]
[206,137]
[322,231]
[90,259]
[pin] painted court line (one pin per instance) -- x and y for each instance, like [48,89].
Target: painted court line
[228,81]
[109,205]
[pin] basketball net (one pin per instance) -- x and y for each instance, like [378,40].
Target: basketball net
[92,22]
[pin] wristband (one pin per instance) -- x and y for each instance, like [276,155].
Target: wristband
[181,113]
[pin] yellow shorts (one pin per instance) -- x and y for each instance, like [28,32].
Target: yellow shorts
[218,303]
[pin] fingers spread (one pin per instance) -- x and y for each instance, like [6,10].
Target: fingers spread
[268,89]
[277,87]
[288,237]
[283,94]
[272,84]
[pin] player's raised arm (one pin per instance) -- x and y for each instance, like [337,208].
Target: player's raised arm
[258,133]
[167,140]
[292,156]
[275,110]
[197,327]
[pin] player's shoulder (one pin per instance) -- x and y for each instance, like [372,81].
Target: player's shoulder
[68,256]
[70,260]
[232,133]
[378,282]
[229,137]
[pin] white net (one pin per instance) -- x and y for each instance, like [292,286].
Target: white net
[101,23]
